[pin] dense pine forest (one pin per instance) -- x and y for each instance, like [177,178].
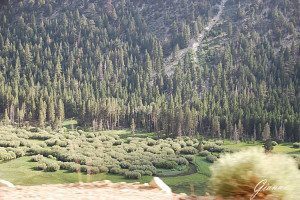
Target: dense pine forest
[102,62]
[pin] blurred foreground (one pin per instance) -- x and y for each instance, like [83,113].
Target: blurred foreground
[98,190]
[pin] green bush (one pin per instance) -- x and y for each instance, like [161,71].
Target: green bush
[40,136]
[296,145]
[36,158]
[84,168]
[143,168]
[18,151]
[219,142]
[14,143]
[133,175]
[211,147]
[7,155]
[204,153]
[168,151]
[40,166]
[115,170]
[71,166]
[51,142]
[211,158]
[188,150]
[165,164]
[52,166]
[190,158]
[103,169]
[182,161]
[93,170]
[117,142]
[125,165]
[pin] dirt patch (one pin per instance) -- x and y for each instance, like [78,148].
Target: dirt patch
[90,191]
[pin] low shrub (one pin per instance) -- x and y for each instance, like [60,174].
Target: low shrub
[133,175]
[7,155]
[117,142]
[52,166]
[51,142]
[296,145]
[40,136]
[71,166]
[211,158]
[188,150]
[165,164]
[168,151]
[51,157]
[211,147]
[103,169]
[40,166]
[143,168]
[125,165]
[83,168]
[36,158]
[18,151]
[115,170]
[219,142]
[182,161]
[274,143]
[14,143]
[204,153]
[190,158]
[93,170]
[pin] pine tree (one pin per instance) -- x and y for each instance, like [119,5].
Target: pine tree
[266,132]
[6,119]
[236,134]
[281,133]
[132,126]
[42,112]
[60,112]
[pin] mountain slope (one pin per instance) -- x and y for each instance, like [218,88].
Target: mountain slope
[94,61]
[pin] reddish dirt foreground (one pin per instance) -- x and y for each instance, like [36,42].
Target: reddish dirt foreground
[90,191]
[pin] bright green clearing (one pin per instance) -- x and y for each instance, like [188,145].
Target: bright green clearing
[286,148]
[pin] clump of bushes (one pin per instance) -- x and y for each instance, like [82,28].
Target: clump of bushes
[133,175]
[52,166]
[296,145]
[165,164]
[115,170]
[36,158]
[204,153]
[182,161]
[47,165]
[189,158]
[235,175]
[10,143]
[211,158]
[103,169]
[7,155]
[18,151]
[40,166]
[212,147]
[188,150]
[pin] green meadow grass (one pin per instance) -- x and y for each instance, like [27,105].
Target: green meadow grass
[20,172]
